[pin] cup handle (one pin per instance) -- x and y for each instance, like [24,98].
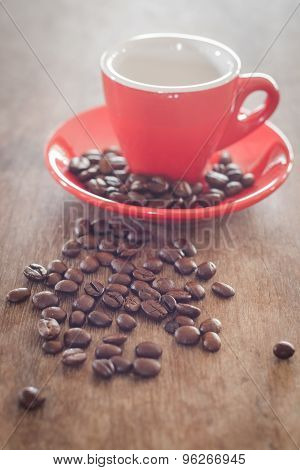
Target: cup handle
[241,124]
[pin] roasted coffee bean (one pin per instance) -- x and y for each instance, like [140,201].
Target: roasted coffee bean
[99,319]
[195,289]
[99,225]
[186,246]
[105,166]
[157,185]
[153,264]
[284,350]
[35,272]
[94,288]
[163,285]
[180,295]
[206,270]
[149,293]
[211,341]
[53,346]
[234,175]
[187,335]
[73,357]
[219,167]
[222,289]
[124,251]
[210,324]
[77,319]
[170,255]
[18,295]
[88,242]
[52,279]
[169,303]
[97,186]
[132,304]
[143,274]
[57,266]
[71,248]
[171,326]
[182,320]
[30,398]
[136,286]
[48,329]
[232,166]
[112,299]
[197,188]
[77,338]
[93,155]
[182,189]
[225,157]
[45,299]
[188,310]
[185,266]
[219,192]
[54,312]
[108,246]
[154,310]
[84,302]
[232,188]
[103,368]
[82,227]
[119,278]
[66,286]
[89,264]
[122,266]
[104,258]
[217,180]
[146,367]
[116,339]
[121,364]
[106,351]
[74,274]
[148,349]
[247,180]
[126,322]
[123,290]
[78,164]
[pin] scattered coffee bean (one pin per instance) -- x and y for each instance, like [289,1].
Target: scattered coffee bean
[188,310]
[187,335]
[210,324]
[89,264]
[116,339]
[222,289]
[53,346]
[180,295]
[163,285]
[113,299]
[154,310]
[35,272]
[74,274]
[71,248]
[247,180]
[186,246]
[57,313]
[103,368]
[99,319]
[57,266]
[30,398]
[48,329]
[88,242]
[149,293]
[119,278]
[126,322]
[171,326]
[104,258]
[284,350]
[66,286]
[185,266]
[45,299]
[18,295]
[122,266]
[120,288]
[153,264]
[82,227]
[182,320]
[73,357]
[211,341]
[77,338]
[148,349]
[206,271]
[170,255]
[132,304]
[106,351]
[77,319]
[121,364]
[146,367]
[136,286]
[85,303]
[169,302]
[94,289]
[108,246]
[53,278]
[143,274]
[195,289]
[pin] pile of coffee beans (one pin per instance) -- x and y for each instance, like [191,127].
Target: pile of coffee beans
[107,174]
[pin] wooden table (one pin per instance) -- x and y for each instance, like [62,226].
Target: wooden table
[240,398]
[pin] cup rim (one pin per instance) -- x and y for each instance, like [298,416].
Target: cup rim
[108,69]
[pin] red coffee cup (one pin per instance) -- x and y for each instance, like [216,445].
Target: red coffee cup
[174,99]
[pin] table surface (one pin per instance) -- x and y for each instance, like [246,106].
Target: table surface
[239,398]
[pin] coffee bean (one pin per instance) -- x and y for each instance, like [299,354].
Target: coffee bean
[45,299]
[35,272]
[53,346]
[57,266]
[74,357]
[48,329]
[77,319]
[52,279]
[106,351]
[171,326]
[232,188]
[126,322]
[219,167]
[216,180]
[211,341]
[88,242]
[154,310]
[121,266]
[187,335]
[170,255]
[197,188]
[120,288]
[104,258]
[30,398]
[232,166]
[127,252]
[121,364]
[103,368]
[116,339]
[153,264]
[66,286]
[219,192]
[119,278]
[206,270]
[185,266]
[225,157]
[195,289]
[78,164]
[94,288]
[247,180]
[211,324]
[82,227]
[74,274]
[113,299]
[163,285]
[182,320]
[136,286]
[284,350]
[77,338]
[234,175]
[188,310]
[148,349]
[99,319]
[146,367]
[84,302]
[169,303]
[143,274]
[182,189]
[132,304]
[54,312]
[89,264]
[108,246]
[18,295]
[149,293]
[71,248]
[187,247]
[222,289]
[180,295]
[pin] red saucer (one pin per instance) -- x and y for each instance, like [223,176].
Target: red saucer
[266,152]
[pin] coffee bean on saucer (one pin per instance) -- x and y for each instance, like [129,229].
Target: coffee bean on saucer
[180,295]
[71,248]
[66,286]
[185,266]
[18,295]
[284,350]
[195,289]
[120,288]
[77,319]
[74,274]
[148,349]
[210,324]
[206,271]
[48,329]
[232,188]
[216,180]
[54,312]
[74,357]
[122,266]
[53,346]
[132,304]
[188,310]
[45,299]
[119,278]
[35,272]
[163,284]
[247,180]
[187,335]
[137,285]
[106,351]
[94,289]
[143,274]
[77,338]
[104,258]
[225,157]
[116,339]
[103,368]
[30,398]
[57,266]
[169,302]
[211,341]
[126,322]
[112,299]
[153,264]
[121,364]
[170,255]
[186,246]
[146,367]
[182,189]
[154,310]
[171,326]
[89,264]
[99,319]
[182,320]
[52,279]
[222,289]
[84,302]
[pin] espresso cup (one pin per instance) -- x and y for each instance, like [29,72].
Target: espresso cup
[174,99]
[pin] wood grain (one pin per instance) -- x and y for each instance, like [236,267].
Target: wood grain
[240,398]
